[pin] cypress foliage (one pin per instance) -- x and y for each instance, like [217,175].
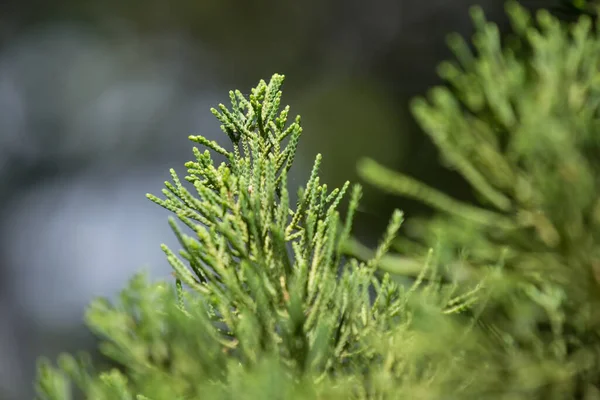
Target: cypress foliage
[522,128]
[275,301]
[266,304]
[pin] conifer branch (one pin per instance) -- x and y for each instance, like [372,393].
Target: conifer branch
[518,119]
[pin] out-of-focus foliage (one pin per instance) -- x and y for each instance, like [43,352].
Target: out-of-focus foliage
[520,121]
[575,8]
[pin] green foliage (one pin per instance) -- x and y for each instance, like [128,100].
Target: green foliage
[575,8]
[272,304]
[519,121]
[278,301]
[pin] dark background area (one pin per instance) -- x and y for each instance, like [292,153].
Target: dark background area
[97,100]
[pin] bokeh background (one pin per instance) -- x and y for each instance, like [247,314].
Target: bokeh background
[97,99]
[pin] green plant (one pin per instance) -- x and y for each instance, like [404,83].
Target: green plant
[519,121]
[272,304]
[575,8]
[274,301]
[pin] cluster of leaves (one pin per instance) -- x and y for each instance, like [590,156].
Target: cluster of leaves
[520,122]
[271,303]
[276,301]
